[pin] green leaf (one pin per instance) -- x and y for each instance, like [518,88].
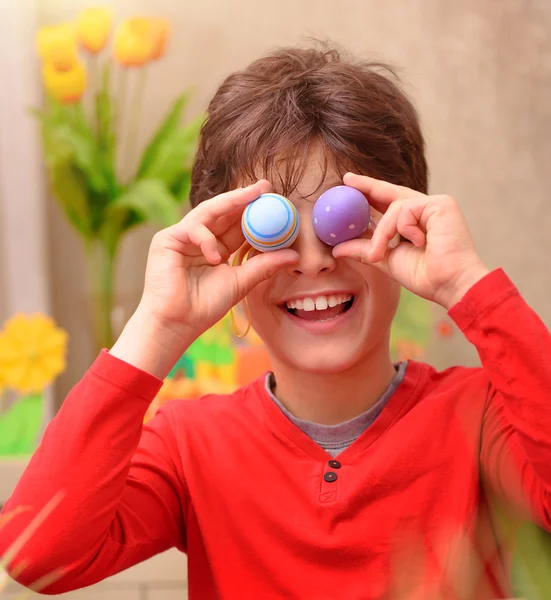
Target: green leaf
[166,130]
[55,150]
[79,120]
[115,225]
[67,133]
[106,139]
[182,186]
[151,200]
[104,112]
[86,155]
[70,189]
[174,154]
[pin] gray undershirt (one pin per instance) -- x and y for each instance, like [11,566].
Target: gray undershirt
[336,438]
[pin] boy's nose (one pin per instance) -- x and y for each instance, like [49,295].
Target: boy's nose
[315,256]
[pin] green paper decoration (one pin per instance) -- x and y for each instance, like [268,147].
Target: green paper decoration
[20,426]
[412,326]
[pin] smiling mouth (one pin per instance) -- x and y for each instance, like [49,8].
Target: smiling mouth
[321,308]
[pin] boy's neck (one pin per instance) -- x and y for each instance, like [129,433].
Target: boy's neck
[330,399]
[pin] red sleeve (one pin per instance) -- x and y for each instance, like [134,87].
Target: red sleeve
[124,493]
[515,349]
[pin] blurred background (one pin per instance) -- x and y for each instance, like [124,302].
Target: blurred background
[478,72]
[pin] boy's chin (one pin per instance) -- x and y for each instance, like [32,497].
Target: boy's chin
[322,360]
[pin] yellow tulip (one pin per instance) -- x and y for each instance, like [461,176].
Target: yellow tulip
[93,28]
[133,44]
[66,85]
[57,45]
[160,30]
[32,352]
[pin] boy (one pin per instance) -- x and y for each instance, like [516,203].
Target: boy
[340,475]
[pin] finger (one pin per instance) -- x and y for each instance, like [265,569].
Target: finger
[262,267]
[232,238]
[230,202]
[386,230]
[409,222]
[402,218]
[202,237]
[359,249]
[380,194]
[229,234]
[227,206]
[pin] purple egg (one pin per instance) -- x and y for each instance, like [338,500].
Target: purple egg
[340,214]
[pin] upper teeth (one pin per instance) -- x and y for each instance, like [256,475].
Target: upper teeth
[318,303]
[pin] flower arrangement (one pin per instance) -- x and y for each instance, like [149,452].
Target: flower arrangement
[89,126]
[32,355]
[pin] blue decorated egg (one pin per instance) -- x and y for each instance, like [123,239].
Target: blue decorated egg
[270,223]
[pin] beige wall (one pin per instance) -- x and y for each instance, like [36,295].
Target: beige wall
[3,294]
[480,73]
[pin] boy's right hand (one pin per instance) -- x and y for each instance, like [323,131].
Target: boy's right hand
[189,285]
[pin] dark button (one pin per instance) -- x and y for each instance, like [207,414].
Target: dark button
[334,464]
[329,477]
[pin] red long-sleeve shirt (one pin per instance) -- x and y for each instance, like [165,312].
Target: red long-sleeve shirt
[235,484]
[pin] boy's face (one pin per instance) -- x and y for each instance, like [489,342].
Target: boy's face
[339,337]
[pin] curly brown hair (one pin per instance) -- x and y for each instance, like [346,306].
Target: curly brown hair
[265,119]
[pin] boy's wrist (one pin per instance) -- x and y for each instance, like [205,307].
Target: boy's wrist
[457,289]
[151,345]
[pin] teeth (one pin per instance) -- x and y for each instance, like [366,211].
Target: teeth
[318,303]
[308,304]
[321,303]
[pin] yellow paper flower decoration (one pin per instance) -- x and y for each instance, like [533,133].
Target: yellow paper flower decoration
[57,45]
[133,44]
[32,352]
[66,85]
[93,28]
[160,31]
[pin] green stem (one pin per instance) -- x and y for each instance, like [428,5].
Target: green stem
[76,108]
[121,93]
[101,267]
[93,87]
[118,125]
[134,127]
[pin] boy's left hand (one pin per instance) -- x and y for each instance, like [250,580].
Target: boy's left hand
[440,263]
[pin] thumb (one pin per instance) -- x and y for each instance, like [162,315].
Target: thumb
[261,267]
[360,249]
